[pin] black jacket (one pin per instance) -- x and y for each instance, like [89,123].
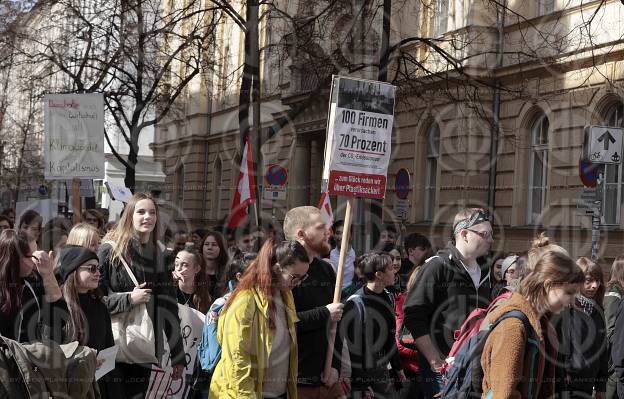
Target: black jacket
[311,297]
[583,355]
[37,318]
[370,336]
[442,297]
[612,301]
[147,265]
[617,350]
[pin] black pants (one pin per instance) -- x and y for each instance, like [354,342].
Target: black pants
[134,379]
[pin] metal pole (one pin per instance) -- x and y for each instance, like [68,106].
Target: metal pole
[596,216]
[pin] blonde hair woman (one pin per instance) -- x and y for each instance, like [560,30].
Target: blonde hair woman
[84,235]
[134,241]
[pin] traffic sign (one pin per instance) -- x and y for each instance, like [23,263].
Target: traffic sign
[401,208]
[603,144]
[589,172]
[276,175]
[589,201]
[402,183]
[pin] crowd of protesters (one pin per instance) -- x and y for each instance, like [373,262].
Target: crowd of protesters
[271,297]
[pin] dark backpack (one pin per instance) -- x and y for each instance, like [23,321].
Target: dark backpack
[465,376]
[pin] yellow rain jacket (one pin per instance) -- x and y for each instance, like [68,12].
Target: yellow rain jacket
[246,341]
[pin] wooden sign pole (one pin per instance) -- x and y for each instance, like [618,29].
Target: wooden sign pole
[76,203]
[344,249]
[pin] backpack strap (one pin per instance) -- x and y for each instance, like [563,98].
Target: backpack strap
[532,346]
[359,304]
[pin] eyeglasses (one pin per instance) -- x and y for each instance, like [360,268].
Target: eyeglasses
[486,235]
[93,269]
[296,279]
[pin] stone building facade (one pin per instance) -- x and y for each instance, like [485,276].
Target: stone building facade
[539,70]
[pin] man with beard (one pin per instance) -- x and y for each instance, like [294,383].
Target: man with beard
[313,301]
[449,286]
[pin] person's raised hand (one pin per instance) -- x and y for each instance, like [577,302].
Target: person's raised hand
[140,294]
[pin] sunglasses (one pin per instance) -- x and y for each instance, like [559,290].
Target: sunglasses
[486,235]
[93,269]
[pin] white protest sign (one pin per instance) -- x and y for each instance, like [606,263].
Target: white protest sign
[74,136]
[359,131]
[119,193]
[161,384]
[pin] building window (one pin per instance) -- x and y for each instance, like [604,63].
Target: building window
[613,173]
[433,153]
[440,18]
[538,169]
[180,183]
[545,7]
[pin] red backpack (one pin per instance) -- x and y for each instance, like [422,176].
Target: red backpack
[471,327]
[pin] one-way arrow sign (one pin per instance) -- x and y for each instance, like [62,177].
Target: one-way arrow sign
[603,144]
[606,137]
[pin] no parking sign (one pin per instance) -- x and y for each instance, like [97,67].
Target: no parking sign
[276,177]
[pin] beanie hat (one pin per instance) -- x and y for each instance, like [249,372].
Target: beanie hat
[510,260]
[72,257]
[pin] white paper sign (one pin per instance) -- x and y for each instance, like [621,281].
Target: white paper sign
[161,385]
[107,357]
[359,135]
[119,193]
[74,136]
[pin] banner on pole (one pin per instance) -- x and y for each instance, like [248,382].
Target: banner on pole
[359,131]
[74,136]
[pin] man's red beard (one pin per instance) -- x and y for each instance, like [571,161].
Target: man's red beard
[320,248]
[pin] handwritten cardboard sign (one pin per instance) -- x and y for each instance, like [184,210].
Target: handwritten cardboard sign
[74,136]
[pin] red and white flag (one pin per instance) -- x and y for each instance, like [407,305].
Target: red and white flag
[246,189]
[326,210]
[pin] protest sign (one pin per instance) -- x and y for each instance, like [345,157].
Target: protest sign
[74,136]
[161,385]
[118,192]
[357,153]
[359,131]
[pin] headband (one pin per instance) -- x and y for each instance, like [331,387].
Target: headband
[478,217]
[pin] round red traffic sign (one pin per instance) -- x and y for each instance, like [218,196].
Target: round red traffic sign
[276,175]
[402,183]
[589,172]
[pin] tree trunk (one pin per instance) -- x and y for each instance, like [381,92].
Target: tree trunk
[133,156]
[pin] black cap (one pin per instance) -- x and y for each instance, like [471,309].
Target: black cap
[72,257]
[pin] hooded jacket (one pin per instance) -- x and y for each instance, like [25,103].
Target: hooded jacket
[508,368]
[246,343]
[442,297]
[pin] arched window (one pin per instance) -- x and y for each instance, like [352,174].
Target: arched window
[613,173]
[538,168]
[433,153]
